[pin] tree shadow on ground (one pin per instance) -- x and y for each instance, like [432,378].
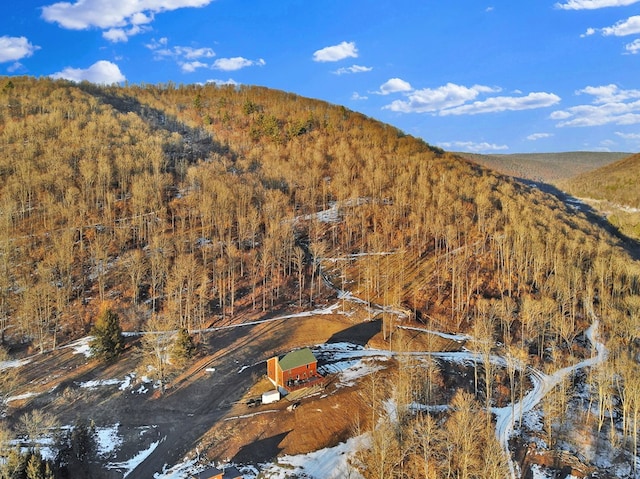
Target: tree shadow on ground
[359,334]
[262,450]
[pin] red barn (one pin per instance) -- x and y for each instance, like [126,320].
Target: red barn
[293,370]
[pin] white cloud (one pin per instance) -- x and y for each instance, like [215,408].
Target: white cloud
[15,67]
[610,105]
[190,67]
[472,147]
[539,136]
[236,63]
[15,48]
[156,44]
[609,94]
[452,99]
[394,85]
[431,100]
[628,136]
[160,50]
[230,81]
[193,53]
[505,103]
[103,72]
[633,47]
[630,26]
[594,4]
[353,69]
[116,35]
[114,14]
[356,96]
[336,52]
[190,59]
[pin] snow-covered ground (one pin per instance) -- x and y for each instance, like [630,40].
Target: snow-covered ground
[455,337]
[542,385]
[81,346]
[328,463]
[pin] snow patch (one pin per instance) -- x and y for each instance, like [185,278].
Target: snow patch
[20,397]
[96,383]
[14,363]
[328,463]
[135,461]
[107,439]
[81,346]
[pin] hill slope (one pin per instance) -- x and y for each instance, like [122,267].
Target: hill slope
[613,190]
[616,182]
[546,167]
[227,211]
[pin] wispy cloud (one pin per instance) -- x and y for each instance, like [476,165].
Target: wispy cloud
[236,63]
[17,66]
[431,100]
[472,147]
[539,136]
[498,104]
[230,81]
[336,52]
[628,136]
[453,99]
[119,18]
[190,67]
[15,48]
[180,53]
[630,26]
[356,96]
[610,105]
[633,47]
[594,4]
[191,59]
[103,72]
[353,69]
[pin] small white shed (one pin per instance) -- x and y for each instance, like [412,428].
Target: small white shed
[271,396]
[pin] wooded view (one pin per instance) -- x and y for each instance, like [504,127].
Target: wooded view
[187,207]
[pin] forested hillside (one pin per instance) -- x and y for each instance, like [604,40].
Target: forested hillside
[186,207]
[613,190]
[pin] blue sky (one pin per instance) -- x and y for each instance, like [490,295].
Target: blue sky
[490,76]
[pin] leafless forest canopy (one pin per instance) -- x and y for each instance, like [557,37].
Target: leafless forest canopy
[180,205]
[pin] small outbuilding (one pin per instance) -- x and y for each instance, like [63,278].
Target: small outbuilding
[294,370]
[270,396]
[215,473]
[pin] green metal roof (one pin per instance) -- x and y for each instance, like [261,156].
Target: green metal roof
[296,358]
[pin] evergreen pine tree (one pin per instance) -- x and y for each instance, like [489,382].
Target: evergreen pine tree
[183,347]
[108,342]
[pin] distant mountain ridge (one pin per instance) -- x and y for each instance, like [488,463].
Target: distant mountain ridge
[546,167]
